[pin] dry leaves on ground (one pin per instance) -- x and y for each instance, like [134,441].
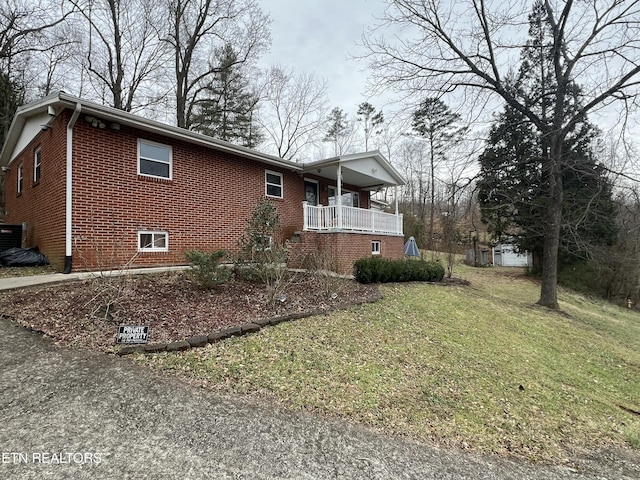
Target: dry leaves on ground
[172,305]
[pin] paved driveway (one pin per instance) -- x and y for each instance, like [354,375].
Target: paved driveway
[75,414]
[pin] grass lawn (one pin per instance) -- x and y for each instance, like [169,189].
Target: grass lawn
[8,272]
[477,367]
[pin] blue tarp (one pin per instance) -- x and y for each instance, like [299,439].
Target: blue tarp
[411,249]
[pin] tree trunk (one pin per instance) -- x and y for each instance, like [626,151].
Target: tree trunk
[549,287]
[432,153]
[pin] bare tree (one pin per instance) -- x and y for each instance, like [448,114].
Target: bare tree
[292,112]
[124,51]
[28,33]
[467,47]
[24,25]
[197,28]
[56,68]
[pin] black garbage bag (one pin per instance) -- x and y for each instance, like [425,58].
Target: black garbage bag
[23,257]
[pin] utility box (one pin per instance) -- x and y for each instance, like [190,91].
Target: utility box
[10,236]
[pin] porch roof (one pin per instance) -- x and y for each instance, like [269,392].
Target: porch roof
[368,170]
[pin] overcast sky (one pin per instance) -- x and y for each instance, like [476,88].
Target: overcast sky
[319,36]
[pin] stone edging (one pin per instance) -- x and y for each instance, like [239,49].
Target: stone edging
[213,337]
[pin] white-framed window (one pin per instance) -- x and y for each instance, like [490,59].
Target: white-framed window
[375,247]
[349,199]
[155,159]
[20,178]
[37,162]
[273,184]
[263,243]
[355,199]
[153,241]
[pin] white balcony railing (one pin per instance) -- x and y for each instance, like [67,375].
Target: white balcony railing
[351,219]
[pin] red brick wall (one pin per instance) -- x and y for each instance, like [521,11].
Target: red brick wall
[338,251]
[42,205]
[205,206]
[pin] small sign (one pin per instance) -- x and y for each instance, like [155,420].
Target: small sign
[132,334]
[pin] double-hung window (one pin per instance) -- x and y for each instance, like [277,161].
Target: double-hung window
[149,241]
[273,184]
[155,160]
[375,247]
[37,162]
[263,243]
[20,178]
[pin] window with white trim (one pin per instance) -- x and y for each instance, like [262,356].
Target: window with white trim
[263,243]
[37,162]
[20,178]
[155,159]
[375,247]
[349,199]
[273,184]
[153,241]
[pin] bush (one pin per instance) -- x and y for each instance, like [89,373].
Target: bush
[206,268]
[262,253]
[380,270]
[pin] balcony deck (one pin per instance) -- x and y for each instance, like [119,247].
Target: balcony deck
[351,219]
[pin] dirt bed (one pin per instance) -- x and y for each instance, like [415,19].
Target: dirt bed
[172,305]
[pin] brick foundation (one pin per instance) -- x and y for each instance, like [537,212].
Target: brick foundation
[338,251]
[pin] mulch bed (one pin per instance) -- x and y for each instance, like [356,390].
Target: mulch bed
[172,305]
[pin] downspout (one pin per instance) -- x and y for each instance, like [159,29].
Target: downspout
[69,190]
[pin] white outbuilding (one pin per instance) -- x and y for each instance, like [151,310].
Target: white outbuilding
[506,255]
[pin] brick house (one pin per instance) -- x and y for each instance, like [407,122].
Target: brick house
[99,188]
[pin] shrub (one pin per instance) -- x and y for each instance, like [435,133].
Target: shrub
[379,270]
[262,254]
[206,269]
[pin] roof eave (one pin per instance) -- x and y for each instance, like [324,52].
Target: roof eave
[63,100]
[345,159]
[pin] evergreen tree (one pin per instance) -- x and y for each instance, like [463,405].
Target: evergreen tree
[436,123]
[514,188]
[370,120]
[227,109]
[12,95]
[337,130]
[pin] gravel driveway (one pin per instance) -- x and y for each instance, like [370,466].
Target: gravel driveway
[76,414]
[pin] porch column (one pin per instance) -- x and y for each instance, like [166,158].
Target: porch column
[305,223]
[395,195]
[339,195]
[398,217]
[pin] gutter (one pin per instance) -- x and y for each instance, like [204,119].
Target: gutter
[69,190]
[145,124]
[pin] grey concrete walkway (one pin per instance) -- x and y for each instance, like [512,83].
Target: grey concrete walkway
[51,278]
[70,414]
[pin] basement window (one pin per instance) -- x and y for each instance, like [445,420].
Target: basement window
[149,241]
[263,243]
[375,247]
[155,160]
